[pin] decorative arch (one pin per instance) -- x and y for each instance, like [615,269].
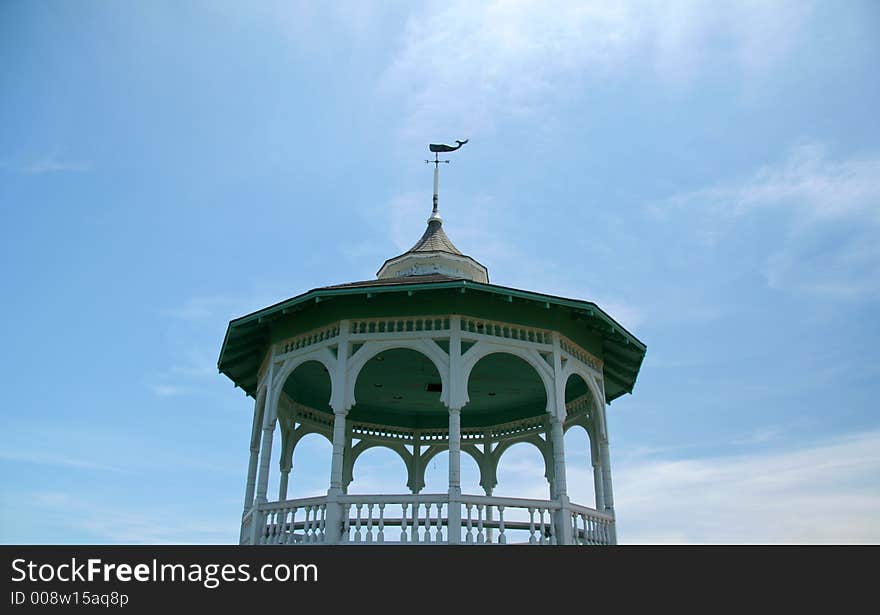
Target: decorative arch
[364,445]
[291,436]
[289,365]
[370,349]
[591,442]
[483,349]
[433,450]
[574,367]
[543,448]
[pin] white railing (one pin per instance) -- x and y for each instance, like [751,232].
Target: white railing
[590,527]
[490,519]
[246,525]
[419,518]
[293,521]
[424,519]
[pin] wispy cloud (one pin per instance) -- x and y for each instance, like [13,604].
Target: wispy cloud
[109,523]
[59,460]
[829,244]
[824,492]
[53,164]
[462,66]
[169,390]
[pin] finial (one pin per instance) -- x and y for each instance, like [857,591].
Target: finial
[436,148]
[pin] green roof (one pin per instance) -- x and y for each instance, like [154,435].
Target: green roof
[249,338]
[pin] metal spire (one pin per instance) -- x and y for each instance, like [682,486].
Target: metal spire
[437,148]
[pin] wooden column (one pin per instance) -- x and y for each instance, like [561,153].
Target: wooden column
[454,510]
[251,484]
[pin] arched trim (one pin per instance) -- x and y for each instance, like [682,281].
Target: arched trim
[320,355]
[435,449]
[425,347]
[483,349]
[574,367]
[364,445]
[534,439]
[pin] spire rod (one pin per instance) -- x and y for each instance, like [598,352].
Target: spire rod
[436,148]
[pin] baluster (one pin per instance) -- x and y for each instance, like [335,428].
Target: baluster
[531,525]
[502,539]
[346,523]
[414,528]
[267,532]
[369,523]
[439,536]
[311,515]
[381,536]
[280,517]
[288,533]
[589,533]
[480,537]
[552,527]
[426,536]
[357,524]
[293,534]
[403,508]
[322,530]
[469,538]
[541,538]
[314,523]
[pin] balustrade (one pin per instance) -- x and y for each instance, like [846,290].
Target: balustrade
[423,518]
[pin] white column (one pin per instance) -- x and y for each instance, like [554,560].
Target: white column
[265,458]
[598,487]
[454,511]
[282,485]
[557,441]
[605,463]
[338,451]
[333,523]
[346,458]
[416,465]
[251,484]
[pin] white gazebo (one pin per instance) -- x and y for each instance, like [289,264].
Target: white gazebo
[429,357]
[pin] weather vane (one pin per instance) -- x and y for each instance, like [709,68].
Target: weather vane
[437,148]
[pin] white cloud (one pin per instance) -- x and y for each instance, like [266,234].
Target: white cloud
[825,492]
[169,390]
[53,164]
[54,459]
[464,65]
[833,208]
[115,524]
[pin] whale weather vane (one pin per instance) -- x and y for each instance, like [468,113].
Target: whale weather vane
[437,149]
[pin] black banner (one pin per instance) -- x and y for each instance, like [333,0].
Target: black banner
[139,579]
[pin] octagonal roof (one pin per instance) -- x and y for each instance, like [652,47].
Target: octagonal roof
[249,338]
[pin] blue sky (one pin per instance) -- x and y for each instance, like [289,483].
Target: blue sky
[708,173]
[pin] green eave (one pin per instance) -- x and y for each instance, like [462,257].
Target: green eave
[248,338]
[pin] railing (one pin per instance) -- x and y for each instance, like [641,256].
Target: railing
[293,521]
[420,518]
[246,524]
[516,520]
[590,527]
[425,518]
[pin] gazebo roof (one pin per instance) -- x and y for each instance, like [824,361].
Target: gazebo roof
[249,337]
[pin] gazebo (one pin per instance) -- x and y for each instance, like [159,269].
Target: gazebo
[429,357]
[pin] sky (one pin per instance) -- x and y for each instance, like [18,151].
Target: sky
[707,173]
